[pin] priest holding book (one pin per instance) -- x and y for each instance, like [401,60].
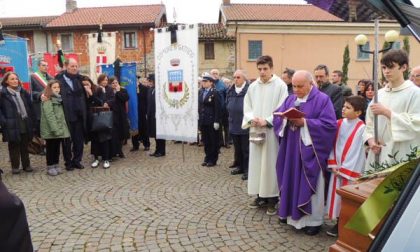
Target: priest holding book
[305,143]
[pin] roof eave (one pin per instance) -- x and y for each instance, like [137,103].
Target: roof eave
[105,26]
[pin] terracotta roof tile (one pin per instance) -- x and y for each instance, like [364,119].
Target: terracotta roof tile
[115,15]
[276,12]
[214,32]
[25,21]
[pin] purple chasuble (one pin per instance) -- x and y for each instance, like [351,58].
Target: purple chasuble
[298,166]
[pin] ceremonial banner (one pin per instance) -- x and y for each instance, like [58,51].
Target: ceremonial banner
[176,72]
[101,53]
[129,82]
[14,58]
[52,60]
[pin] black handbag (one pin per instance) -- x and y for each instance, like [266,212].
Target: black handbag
[101,121]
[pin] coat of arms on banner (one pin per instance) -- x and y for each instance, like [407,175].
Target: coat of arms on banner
[175,94]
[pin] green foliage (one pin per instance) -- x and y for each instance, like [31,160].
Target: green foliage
[406,47]
[346,62]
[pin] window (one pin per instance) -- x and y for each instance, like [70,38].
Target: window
[396,45]
[130,40]
[209,51]
[361,55]
[254,49]
[66,42]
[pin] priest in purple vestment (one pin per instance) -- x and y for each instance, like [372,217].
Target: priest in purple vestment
[305,144]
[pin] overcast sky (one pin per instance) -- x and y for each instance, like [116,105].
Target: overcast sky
[187,11]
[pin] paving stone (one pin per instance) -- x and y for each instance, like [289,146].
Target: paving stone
[145,203]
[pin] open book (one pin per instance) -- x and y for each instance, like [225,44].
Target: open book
[290,113]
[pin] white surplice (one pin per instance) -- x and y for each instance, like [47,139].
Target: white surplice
[348,157]
[260,101]
[400,132]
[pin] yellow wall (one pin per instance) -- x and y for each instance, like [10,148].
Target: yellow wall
[305,47]
[224,53]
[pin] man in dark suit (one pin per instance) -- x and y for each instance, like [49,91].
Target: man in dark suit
[75,112]
[333,91]
[39,81]
[151,118]
[143,135]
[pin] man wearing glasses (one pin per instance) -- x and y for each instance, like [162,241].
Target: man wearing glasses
[415,75]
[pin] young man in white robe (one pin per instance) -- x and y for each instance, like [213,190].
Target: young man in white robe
[264,95]
[347,159]
[398,111]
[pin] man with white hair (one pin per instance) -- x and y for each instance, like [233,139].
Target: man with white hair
[305,144]
[415,75]
[75,112]
[222,91]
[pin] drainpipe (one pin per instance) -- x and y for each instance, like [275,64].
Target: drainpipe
[144,53]
[236,45]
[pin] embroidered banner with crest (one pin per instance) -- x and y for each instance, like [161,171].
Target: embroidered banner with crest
[101,53]
[176,77]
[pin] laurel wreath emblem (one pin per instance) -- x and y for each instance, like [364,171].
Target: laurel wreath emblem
[174,103]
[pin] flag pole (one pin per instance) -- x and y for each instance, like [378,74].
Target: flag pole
[375,84]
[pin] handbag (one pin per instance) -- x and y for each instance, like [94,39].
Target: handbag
[36,146]
[101,121]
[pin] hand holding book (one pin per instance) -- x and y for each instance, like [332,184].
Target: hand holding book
[291,113]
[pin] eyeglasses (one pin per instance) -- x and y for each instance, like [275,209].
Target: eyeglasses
[237,77]
[415,75]
[43,65]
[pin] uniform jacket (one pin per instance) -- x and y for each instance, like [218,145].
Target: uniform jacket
[209,107]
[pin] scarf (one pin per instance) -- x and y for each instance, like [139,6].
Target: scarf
[18,101]
[57,97]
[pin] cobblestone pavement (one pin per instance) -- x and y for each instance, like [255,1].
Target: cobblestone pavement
[145,203]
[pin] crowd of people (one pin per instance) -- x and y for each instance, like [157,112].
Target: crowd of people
[293,162]
[63,111]
[295,137]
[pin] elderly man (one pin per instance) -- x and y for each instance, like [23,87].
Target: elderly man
[415,75]
[39,81]
[222,91]
[264,95]
[75,112]
[235,107]
[333,91]
[305,144]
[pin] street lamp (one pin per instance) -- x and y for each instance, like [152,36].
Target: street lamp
[361,40]
[390,37]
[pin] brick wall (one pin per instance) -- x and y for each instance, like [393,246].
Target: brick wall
[144,37]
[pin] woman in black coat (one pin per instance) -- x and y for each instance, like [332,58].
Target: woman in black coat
[209,112]
[16,117]
[121,128]
[101,141]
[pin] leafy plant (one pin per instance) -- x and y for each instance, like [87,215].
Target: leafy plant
[346,62]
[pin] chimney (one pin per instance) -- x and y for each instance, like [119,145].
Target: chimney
[226,2]
[71,5]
